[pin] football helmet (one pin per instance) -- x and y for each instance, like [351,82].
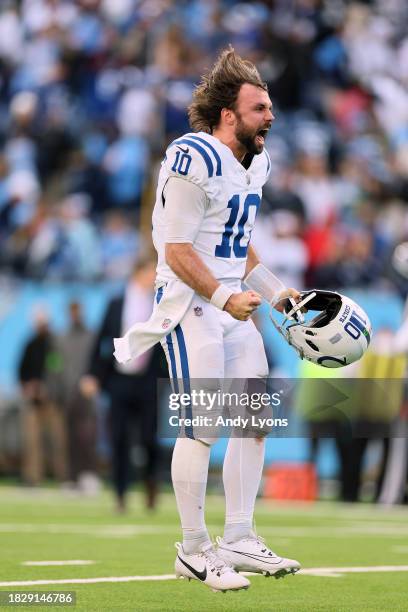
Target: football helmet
[337,336]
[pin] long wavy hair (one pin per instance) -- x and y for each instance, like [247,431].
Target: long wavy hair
[219,89]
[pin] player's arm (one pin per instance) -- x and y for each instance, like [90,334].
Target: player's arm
[185,205]
[264,282]
[189,267]
[252,260]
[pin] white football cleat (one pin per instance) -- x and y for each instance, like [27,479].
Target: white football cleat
[207,567]
[252,555]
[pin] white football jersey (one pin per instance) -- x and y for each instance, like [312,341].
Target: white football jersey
[234,196]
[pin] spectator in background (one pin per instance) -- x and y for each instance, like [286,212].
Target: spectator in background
[378,413]
[125,164]
[82,175]
[314,187]
[64,244]
[280,193]
[74,348]
[120,245]
[80,254]
[277,240]
[131,387]
[350,262]
[41,417]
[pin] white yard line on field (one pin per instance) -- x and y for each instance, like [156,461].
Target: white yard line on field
[88,580]
[68,562]
[329,572]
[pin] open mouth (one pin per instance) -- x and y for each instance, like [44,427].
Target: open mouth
[261,135]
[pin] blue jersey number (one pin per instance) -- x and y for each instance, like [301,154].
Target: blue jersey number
[357,326]
[181,163]
[224,249]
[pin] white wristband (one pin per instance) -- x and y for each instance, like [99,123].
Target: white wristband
[221,296]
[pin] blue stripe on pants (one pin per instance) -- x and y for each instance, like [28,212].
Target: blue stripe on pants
[186,378]
[159,295]
[170,348]
[184,366]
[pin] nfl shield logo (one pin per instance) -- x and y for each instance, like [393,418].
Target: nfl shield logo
[166,323]
[198,311]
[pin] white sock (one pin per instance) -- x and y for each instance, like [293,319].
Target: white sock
[189,472]
[242,475]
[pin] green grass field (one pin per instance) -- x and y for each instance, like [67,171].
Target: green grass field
[48,525]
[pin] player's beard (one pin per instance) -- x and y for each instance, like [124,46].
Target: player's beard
[248,137]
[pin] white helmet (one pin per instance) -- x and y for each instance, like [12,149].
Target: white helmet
[337,336]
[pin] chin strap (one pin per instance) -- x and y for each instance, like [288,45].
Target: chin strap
[295,314]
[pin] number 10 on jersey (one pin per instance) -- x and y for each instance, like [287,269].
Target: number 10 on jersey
[236,229]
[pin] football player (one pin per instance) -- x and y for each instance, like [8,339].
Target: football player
[209,191]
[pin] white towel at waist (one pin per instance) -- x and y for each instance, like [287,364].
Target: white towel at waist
[166,315]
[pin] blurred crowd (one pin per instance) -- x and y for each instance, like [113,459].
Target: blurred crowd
[92,91]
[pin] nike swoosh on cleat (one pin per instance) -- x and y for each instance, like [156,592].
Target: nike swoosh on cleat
[186,150]
[256,557]
[200,575]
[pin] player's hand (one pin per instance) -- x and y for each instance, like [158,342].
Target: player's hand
[242,305]
[288,293]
